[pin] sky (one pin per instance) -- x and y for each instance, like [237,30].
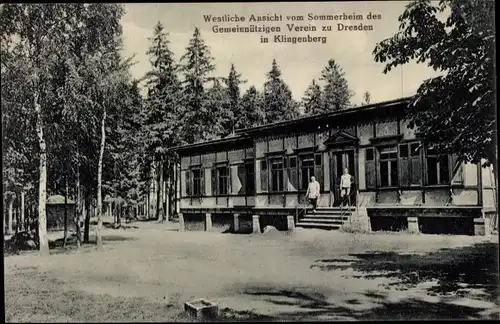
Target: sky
[300,63]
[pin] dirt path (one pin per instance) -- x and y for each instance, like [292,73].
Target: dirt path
[309,274]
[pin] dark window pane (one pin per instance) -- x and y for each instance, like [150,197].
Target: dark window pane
[444,170]
[318,159]
[293,162]
[250,178]
[414,149]
[403,150]
[369,154]
[263,165]
[394,173]
[432,173]
[384,174]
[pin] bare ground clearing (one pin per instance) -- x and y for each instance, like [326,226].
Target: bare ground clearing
[147,273]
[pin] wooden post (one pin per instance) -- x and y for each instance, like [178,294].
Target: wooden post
[236,226]
[208,221]
[256,224]
[181,223]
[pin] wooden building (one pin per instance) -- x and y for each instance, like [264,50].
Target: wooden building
[55,208]
[398,183]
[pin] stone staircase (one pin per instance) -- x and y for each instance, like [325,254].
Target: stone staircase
[328,218]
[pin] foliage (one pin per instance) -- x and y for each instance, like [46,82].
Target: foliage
[197,67]
[313,99]
[454,111]
[278,102]
[336,93]
[235,107]
[252,108]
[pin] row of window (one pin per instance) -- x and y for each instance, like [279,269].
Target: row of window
[293,169]
[386,166]
[402,166]
[195,180]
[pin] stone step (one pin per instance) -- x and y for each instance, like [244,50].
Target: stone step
[322,221]
[319,225]
[327,217]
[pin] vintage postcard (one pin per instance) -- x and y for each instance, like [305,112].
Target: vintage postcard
[262,161]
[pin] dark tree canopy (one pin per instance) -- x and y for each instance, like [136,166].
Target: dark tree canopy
[278,101]
[313,99]
[454,111]
[336,93]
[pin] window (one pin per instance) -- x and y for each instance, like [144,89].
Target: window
[276,167]
[196,176]
[370,169]
[222,180]
[264,176]
[388,166]
[292,173]
[410,164]
[306,169]
[250,178]
[438,168]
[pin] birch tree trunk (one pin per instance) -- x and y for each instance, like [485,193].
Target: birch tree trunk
[42,193]
[65,209]
[23,227]
[78,210]
[146,208]
[160,191]
[9,216]
[99,183]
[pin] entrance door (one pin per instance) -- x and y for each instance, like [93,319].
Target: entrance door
[341,160]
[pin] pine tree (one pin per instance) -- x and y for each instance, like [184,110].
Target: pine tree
[197,67]
[313,100]
[233,89]
[162,118]
[278,102]
[252,109]
[217,103]
[336,92]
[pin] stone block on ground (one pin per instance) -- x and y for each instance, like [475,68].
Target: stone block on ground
[202,309]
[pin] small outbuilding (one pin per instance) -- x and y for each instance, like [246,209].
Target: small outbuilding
[55,213]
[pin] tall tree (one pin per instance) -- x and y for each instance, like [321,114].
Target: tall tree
[336,91]
[233,88]
[313,100]
[217,102]
[43,39]
[162,118]
[278,102]
[197,67]
[252,108]
[455,111]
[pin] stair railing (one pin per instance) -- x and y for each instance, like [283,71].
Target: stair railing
[300,212]
[347,199]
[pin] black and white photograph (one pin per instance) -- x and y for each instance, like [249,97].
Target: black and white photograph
[249,161]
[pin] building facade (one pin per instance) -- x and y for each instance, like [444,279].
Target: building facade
[397,182]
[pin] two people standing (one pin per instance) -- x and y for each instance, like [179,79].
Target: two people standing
[313,190]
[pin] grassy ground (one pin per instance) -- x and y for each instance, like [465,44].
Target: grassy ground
[147,272]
